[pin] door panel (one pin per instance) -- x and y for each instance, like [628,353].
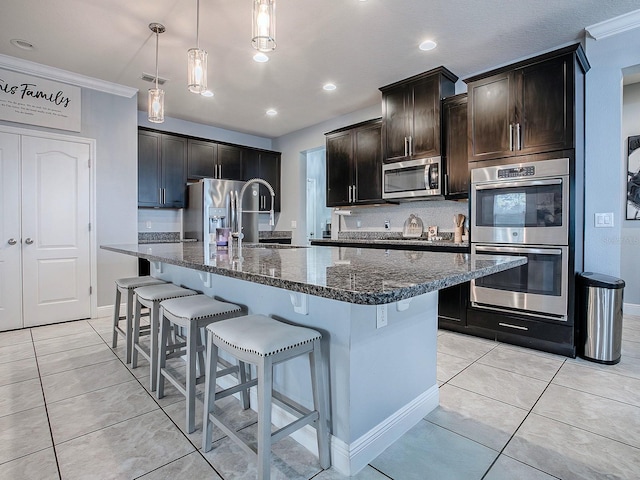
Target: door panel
[55,217]
[368,167]
[396,124]
[425,132]
[10,268]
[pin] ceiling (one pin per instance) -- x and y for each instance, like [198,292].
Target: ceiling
[358,45]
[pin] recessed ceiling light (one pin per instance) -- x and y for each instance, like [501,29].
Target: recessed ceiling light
[260,57]
[427,45]
[22,44]
[272,112]
[329,87]
[207,93]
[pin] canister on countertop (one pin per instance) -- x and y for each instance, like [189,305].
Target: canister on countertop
[458,221]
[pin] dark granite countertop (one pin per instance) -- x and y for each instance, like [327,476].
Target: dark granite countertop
[354,275]
[393,241]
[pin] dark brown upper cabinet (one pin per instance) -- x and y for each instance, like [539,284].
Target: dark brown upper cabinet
[525,108]
[213,160]
[455,159]
[265,165]
[411,122]
[161,170]
[354,164]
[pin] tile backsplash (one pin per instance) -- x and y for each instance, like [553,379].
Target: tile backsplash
[432,212]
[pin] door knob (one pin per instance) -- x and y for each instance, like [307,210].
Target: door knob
[28,241]
[12,241]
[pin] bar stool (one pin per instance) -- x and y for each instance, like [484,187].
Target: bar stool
[151,297]
[192,314]
[127,285]
[265,342]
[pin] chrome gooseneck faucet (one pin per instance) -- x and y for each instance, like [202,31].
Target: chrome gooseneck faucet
[238,234]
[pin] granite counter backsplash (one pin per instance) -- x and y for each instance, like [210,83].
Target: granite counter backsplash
[158,237]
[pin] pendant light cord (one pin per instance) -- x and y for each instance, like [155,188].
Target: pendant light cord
[157,36]
[198,24]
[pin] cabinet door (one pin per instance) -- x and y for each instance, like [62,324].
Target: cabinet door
[545,106]
[229,162]
[452,304]
[339,167]
[456,160]
[368,164]
[201,159]
[425,118]
[395,111]
[270,171]
[149,171]
[250,164]
[491,116]
[174,177]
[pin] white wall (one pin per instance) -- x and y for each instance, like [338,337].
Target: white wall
[630,236]
[112,121]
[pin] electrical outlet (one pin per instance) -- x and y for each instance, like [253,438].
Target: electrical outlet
[387,224]
[148,224]
[294,224]
[381,316]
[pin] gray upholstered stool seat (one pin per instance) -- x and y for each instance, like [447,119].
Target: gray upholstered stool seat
[127,285]
[192,314]
[150,297]
[264,342]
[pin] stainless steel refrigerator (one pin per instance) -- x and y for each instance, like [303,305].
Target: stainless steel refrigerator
[209,207]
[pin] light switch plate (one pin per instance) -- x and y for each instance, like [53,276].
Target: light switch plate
[604,220]
[381,316]
[294,224]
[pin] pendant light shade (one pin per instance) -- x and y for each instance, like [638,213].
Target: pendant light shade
[156,95]
[264,25]
[197,61]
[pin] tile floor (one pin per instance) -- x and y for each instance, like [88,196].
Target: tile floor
[71,409]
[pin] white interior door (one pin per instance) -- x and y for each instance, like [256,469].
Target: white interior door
[55,230]
[10,264]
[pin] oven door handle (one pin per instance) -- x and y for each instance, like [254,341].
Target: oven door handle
[526,183]
[507,250]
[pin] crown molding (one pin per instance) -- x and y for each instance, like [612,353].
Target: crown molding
[52,73]
[614,26]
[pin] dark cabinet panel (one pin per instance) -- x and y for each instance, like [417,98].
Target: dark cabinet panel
[161,170]
[149,172]
[339,167]
[456,162]
[229,162]
[265,165]
[201,160]
[452,304]
[354,165]
[411,115]
[367,161]
[527,108]
[491,117]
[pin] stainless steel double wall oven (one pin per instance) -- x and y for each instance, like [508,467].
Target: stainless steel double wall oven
[524,209]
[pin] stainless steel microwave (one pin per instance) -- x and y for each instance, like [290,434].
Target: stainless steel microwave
[413,179]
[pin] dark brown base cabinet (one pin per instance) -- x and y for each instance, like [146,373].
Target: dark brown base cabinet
[452,306]
[455,160]
[161,170]
[411,126]
[354,165]
[167,161]
[528,107]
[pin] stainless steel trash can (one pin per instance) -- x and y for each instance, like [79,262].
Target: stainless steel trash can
[600,316]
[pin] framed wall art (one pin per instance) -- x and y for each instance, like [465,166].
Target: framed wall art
[633,177]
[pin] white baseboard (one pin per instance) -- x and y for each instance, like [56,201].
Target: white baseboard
[105,311]
[349,459]
[631,309]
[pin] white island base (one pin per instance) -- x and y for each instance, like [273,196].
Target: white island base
[381,366]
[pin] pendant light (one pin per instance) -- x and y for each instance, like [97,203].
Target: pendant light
[264,25]
[156,95]
[197,61]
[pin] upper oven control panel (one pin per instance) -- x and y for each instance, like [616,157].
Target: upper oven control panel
[517,172]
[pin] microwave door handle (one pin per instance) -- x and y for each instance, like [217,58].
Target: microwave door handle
[508,250]
[523,183]
[427,174]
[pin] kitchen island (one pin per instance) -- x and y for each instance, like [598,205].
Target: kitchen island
[376,310]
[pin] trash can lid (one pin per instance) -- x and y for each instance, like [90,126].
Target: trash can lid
[591,279]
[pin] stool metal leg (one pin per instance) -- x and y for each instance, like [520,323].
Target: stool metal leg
[320,404]
[265,386]
[116,318]
[192,341]
[211,363]
[162,354]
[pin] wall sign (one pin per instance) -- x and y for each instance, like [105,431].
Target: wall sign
[36,101]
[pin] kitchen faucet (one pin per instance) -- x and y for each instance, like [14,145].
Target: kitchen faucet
[238,200]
